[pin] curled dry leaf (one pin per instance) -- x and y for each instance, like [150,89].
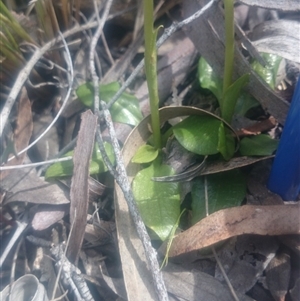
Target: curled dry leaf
[237,162]
[223,224]
[96,189]
[211,167]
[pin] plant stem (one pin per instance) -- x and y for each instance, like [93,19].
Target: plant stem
[229,44]
[151,70]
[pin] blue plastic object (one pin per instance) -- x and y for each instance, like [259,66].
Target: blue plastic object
[285,174]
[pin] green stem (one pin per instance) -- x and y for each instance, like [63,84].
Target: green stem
[151,70]
[229,44]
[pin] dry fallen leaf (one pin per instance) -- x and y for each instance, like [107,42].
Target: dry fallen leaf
[47,215]
[196,286]
[23,130]
[79,186]
[278,276]
[257,128]
[226,223]
[244,259]
[24,185]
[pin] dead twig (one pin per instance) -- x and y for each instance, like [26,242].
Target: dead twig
[69,272]
[47,162]
[94,42]
[124,184]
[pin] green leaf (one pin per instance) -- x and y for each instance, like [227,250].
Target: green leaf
[159,203]
[260,145]
[199,134]
[269,72]
[97,164]
[208,79]
[60,169]
[226,189]
[145,154]
[125,110]
[226,144]
[245,102]
[65,168]
[231,96]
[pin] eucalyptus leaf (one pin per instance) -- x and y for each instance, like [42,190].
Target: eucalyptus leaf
[268,73]
[65,168]
[208,79]
[260,145]
[159,203]
[199,134]
[231,96]
[145,154]
[124,110]
[223,190]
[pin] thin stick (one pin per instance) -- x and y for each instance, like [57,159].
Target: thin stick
[124,184]
[233,293]
[14,261]
[94,42]
[110,58]
[36,163]
[65,149]
[96,84]
[21,226]
[104,155]
[62,261]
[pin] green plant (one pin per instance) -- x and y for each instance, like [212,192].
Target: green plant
[203,135]
[125,110]
[150,35]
